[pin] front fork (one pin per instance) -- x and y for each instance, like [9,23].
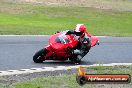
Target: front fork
[49,48]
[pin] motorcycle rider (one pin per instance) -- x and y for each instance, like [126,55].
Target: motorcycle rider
[80,30]
[82,34]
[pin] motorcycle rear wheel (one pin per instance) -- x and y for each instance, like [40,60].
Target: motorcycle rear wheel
[39,56]
[75,60]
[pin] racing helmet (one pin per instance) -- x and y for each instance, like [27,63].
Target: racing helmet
[80,28]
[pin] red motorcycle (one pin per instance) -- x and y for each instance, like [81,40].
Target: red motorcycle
[66,47]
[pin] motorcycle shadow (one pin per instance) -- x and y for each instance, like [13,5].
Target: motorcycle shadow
[67,63]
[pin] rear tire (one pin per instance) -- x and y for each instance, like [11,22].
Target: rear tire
[75,60]
[39,56]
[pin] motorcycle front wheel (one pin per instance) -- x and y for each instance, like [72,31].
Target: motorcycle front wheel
[39,56]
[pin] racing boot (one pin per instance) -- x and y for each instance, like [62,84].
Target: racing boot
[77,52]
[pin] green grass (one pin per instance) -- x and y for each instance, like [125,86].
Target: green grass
[52,82]
[111,70]
[39,19]
[68,81]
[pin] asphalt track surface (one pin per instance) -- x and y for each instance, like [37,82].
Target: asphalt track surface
[16,52]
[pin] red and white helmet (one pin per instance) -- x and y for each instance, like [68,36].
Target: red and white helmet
[80,28]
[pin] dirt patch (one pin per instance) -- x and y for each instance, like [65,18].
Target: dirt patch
[122,5]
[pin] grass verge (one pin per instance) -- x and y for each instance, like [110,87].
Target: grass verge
[17,18]
[69,81]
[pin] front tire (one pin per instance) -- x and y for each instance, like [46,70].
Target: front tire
[39,56]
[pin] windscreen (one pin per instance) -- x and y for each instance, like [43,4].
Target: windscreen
[62,39]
